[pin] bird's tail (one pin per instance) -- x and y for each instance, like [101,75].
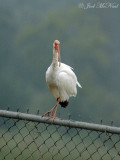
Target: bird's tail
[79,84]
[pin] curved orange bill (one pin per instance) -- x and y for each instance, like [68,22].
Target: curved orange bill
[59,55]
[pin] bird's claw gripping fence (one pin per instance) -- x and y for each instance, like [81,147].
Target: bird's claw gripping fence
[32,137]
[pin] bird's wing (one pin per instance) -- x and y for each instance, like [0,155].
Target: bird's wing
[67,81]
[68,70]
[79,85]
[66,66]
[66,85]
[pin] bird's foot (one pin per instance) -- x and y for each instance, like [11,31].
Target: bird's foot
[53,117]
[47,113]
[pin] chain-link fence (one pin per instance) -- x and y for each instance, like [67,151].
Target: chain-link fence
[32,137]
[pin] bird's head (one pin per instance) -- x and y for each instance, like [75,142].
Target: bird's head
[56,45]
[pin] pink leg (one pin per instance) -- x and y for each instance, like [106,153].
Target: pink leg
[53,116]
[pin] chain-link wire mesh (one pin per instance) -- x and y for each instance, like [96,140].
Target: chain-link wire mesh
[33,140]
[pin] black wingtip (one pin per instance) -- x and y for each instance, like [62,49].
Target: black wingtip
[64,104]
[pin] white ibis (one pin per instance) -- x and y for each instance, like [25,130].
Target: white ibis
[61,80]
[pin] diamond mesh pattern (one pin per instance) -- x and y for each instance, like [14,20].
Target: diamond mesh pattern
[27,140]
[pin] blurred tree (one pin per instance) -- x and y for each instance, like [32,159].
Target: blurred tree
[82,46]
[10,89]
[27,52]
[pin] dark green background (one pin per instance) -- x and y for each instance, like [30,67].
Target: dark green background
[90,43]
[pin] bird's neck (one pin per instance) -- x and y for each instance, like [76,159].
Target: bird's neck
[55,58]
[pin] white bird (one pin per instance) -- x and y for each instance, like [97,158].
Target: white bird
[61,81]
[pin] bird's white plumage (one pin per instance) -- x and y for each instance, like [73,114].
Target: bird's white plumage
[60,78]
[62,81]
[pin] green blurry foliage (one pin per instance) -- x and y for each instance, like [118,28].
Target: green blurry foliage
[83,47]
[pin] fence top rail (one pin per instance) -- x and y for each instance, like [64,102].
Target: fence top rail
[61,122]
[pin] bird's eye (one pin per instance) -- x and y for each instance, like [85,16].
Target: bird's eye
[57,44]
